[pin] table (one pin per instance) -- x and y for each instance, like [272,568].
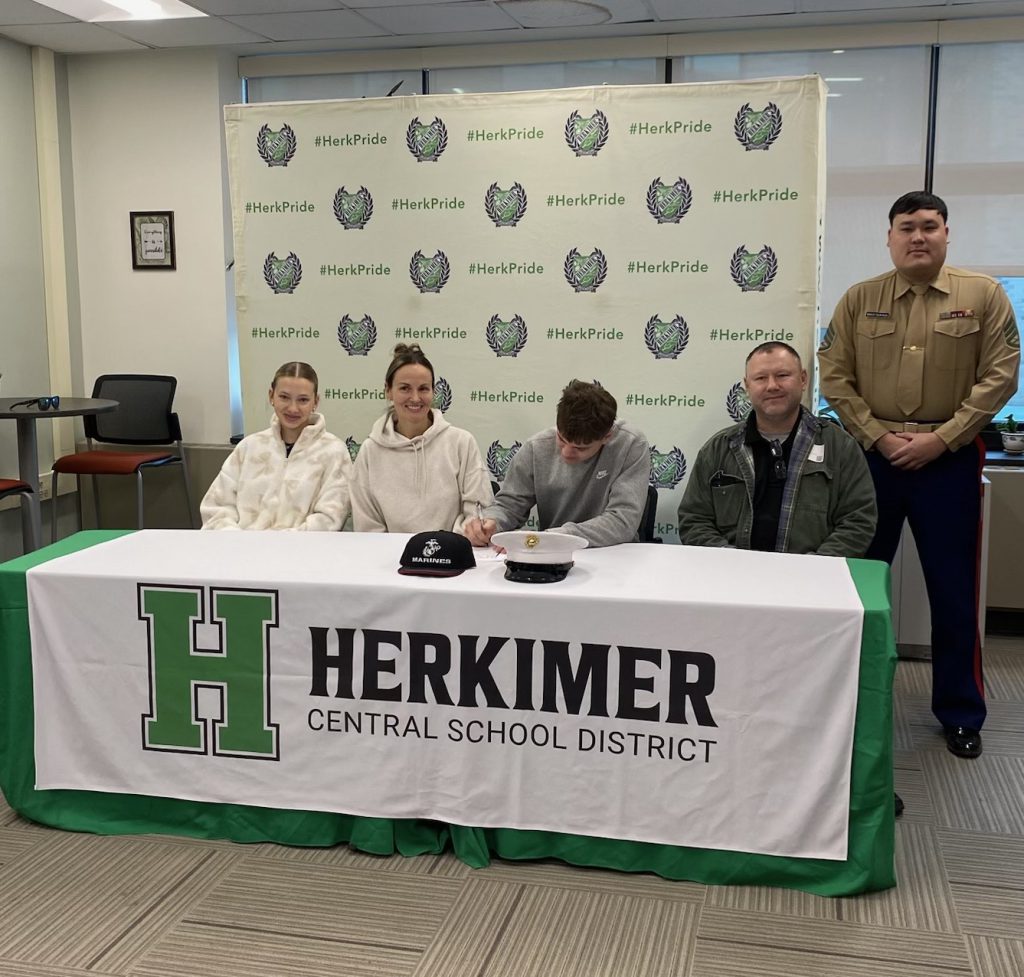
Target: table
[28,449]
[323,582]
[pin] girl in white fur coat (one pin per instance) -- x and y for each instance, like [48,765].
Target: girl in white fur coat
[293,475]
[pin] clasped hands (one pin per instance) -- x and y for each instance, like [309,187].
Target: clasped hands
[908,451]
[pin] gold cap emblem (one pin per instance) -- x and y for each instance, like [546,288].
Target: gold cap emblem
[532,541]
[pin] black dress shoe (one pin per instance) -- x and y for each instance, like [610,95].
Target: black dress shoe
[963,741]
[899,805]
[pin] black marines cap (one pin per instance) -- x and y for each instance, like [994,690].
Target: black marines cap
[437,554]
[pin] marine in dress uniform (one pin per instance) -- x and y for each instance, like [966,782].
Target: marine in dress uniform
[915,362]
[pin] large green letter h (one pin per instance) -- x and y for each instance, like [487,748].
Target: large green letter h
[239,671]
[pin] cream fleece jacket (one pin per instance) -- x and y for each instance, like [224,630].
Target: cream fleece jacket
[403,485]
[260,488]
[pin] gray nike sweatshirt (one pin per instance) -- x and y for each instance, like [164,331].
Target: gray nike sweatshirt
[600,499]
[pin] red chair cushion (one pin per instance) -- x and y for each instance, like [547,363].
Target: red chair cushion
[109,462]
[10,485]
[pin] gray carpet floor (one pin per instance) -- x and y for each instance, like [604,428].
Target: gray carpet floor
[74,905]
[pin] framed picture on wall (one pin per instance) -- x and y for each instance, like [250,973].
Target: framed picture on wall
[153,240]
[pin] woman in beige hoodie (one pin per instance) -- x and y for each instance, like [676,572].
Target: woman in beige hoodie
[415,472]
[293,475]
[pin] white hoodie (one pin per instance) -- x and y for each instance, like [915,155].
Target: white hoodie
[260,487]
[414,485]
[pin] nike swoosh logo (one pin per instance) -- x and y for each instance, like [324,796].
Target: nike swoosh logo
[601,474]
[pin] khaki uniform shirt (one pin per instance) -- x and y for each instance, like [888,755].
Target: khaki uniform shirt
[972,355]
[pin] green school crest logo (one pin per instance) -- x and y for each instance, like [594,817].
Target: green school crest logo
[669,204]
[238,672]
[737,403]
[276,148]
[499,458]
[429,274]
[353,446]
[442,395]
[357,337]
[586,137]
[666,340]
[585,272]
[757,130]
[353,210]
[426,142]
[506,338]
[282,274]
[667,468]
[505,207]
[753,272]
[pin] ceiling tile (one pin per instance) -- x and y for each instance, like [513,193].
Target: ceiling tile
[712,9]
[193,32]
[236,8]
[365,5]
[309,26]
[72,38]
[441,18]
[540,14]
[821,6]
[27,12]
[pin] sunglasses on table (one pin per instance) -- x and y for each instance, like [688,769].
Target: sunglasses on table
[51,402]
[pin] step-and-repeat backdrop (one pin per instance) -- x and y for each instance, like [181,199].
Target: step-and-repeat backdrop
[643,237]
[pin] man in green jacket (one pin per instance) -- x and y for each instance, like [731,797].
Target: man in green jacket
[782,480]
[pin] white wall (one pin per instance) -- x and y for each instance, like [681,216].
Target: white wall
[23,350]
[146,134]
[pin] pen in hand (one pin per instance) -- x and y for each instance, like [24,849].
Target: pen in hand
[480,521]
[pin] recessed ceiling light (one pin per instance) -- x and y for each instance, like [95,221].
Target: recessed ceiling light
[99,11]
[839,51]
[844,79]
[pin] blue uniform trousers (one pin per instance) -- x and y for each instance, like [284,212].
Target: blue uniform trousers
[942,503]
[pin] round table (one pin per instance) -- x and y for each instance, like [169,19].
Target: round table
[28,449]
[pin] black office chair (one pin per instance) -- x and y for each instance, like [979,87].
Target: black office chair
[649,518]
[15,486]
[144,417]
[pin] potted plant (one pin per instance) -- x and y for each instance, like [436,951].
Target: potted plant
[1013,438]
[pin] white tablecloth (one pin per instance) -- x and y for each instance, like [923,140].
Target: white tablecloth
[685,696]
